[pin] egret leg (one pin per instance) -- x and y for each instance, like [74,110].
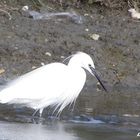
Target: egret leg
[40,112]
[35,112]
[36,119]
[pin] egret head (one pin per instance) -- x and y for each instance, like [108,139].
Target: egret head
[83,60]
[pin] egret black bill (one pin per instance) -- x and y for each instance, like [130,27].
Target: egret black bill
[97,77]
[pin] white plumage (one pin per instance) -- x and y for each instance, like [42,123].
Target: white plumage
[54,84]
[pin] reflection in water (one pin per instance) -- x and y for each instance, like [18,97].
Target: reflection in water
[59,131]
[17,131]
[119,112]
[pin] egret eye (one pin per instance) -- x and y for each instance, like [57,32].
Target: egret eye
[89,65]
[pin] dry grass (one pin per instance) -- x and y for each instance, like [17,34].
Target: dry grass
[5,9]
[107,3]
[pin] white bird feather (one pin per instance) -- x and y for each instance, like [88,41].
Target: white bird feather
[54,84]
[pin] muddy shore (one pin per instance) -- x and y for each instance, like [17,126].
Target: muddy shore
[26,44]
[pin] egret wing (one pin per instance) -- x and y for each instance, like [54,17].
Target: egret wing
[46,82]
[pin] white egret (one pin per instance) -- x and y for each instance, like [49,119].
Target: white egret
[54,84]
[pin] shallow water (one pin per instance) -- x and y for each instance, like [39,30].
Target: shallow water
[82,124]
[24,42]
[62,130]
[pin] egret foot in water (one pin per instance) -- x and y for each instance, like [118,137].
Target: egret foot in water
[38,110]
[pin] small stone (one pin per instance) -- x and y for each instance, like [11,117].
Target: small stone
[94,36]
[135,115]
[48,54]
[33,67]
[42,63]
[86,14]
[2,70]
[16,48]
[9,37]
[98,86]
[62,57]
[25,8]
[89,110]
[86,29]
[46,40]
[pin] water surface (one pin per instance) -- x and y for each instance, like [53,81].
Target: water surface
[64,130]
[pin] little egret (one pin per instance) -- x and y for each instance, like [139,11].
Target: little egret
[54,84]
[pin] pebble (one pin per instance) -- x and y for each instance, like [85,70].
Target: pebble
[94,36]
[34,67]
[25,8]
[46,40]
[42,63]
[48,54]
[2,70]
[86,14]
[62,57]
[86,29]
